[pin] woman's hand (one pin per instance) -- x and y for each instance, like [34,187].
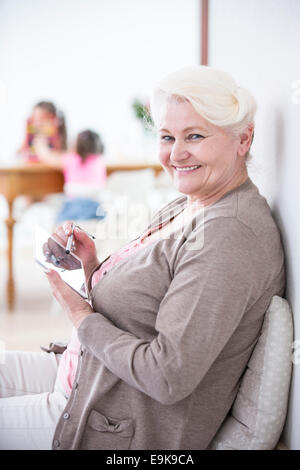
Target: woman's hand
[84,247]
[72,303]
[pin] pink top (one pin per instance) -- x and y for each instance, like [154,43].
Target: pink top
[69,360]
[91,171]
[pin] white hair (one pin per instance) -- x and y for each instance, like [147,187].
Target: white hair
[213,94]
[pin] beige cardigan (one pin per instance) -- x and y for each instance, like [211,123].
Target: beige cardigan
[173,330]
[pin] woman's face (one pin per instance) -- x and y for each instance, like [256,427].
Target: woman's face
[201,158]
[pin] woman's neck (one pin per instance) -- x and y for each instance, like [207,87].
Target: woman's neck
[197,201]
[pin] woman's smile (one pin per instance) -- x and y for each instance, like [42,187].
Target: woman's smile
[184,170]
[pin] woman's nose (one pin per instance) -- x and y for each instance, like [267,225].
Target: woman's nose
[179,152]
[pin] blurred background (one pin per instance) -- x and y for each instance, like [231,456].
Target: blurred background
[97,59]
[93,58]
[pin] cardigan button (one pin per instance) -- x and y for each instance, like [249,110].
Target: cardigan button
[56,443]
[66,416]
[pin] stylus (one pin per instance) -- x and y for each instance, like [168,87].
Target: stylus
[70,241]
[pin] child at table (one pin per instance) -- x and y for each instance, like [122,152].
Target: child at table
[46,121]
[84,173]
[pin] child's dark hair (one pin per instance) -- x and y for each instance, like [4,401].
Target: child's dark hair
[88,142]
[52,109]
[47,106]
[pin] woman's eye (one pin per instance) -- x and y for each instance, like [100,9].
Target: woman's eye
[195,136]
[166,138]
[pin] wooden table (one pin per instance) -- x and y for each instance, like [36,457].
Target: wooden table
[37,180]
[156,168]
[34,180]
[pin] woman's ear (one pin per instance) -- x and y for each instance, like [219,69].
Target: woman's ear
[246,139]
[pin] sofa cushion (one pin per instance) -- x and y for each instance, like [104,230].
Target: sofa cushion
[258,414]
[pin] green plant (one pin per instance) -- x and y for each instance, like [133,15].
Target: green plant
[142,113]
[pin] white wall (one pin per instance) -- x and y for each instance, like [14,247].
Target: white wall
[92,58]
[258,42]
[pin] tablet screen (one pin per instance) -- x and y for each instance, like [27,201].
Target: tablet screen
[51,254]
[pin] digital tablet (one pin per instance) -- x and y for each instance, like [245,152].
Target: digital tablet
[51,254]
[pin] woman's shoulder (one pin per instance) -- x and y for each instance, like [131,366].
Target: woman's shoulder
[246,215]
[251,209]
[245,204]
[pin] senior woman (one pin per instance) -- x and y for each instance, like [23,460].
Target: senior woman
[156,362]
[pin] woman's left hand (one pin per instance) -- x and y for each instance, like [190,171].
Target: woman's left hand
[72,303]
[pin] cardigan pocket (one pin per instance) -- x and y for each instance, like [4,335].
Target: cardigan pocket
[105,433]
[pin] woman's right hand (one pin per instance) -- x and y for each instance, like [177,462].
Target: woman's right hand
[84,247]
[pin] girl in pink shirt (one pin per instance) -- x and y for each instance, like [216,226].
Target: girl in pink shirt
[84,174]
